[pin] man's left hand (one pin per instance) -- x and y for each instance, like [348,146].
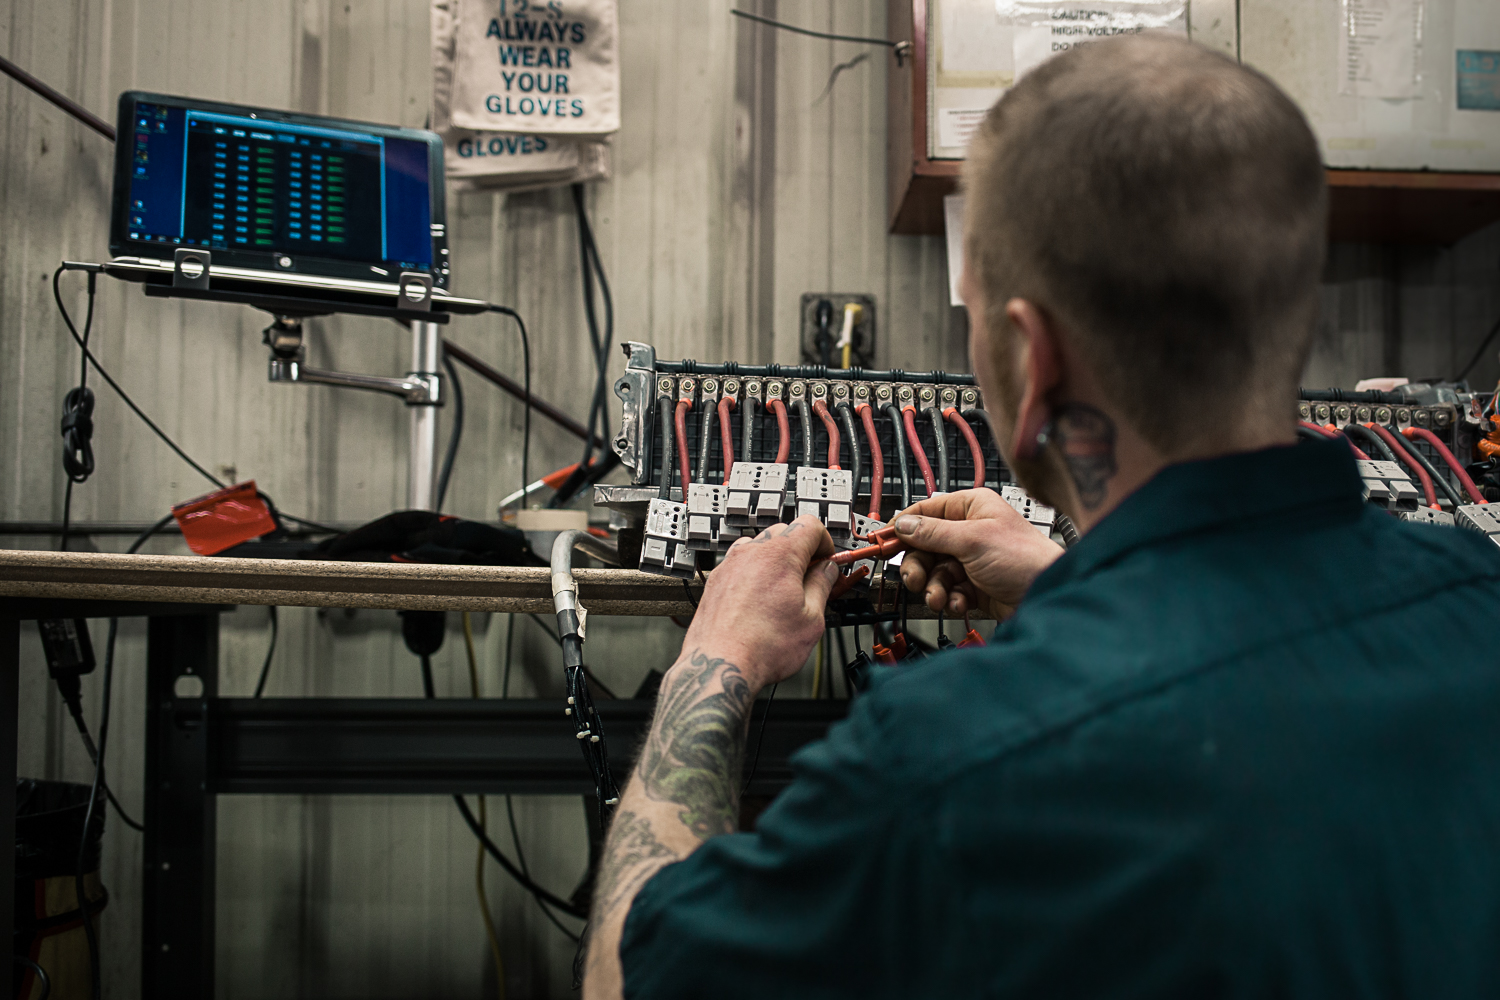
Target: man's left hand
[763,605]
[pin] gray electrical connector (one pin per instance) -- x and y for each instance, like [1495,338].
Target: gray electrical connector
[1039,515]
[1426,515]
[664,551]
[1481,518]
[828,495]
[705,518]
[756,493]
[859,537]
[1387,485]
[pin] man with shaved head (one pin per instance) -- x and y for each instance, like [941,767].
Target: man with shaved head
[1242,740]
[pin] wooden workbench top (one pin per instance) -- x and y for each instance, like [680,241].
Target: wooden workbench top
[318,583]
[313,583]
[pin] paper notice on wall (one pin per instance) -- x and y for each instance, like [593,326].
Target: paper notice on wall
[1045,29]
[526,66]
[953,224]
[1380,43]
[974,39]
[956,126]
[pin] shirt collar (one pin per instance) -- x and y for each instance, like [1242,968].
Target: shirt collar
[1277,483]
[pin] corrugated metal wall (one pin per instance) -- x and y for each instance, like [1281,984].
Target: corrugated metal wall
[738,184]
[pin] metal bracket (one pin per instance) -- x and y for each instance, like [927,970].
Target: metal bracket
[190,268]
[414,292]
[638,408]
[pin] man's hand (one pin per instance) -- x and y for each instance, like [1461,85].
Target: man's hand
[971,551]
[761,614]
[763,606]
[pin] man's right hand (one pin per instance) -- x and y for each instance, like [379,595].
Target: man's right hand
[971,551]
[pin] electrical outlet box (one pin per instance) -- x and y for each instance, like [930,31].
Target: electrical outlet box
[822,324]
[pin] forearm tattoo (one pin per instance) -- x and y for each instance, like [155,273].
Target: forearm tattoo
[696,749]
[693,760]
[634,856]
[1085,437]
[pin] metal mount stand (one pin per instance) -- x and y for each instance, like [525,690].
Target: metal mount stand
[421,390]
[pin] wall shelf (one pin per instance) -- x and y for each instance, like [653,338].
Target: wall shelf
[1379,206]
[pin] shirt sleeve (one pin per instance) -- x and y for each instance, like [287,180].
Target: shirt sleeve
[832,891]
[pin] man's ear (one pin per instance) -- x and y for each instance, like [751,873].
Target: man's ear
[1039,367]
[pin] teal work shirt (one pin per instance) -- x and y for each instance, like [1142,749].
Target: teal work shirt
[1243,740]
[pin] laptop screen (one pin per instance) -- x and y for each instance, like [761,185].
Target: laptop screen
[278,191]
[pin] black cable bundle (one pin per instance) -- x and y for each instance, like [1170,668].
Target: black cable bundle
[587,726]
[592,269]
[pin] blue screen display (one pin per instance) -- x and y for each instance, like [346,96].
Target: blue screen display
[199,178]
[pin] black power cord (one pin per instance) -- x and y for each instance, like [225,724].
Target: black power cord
[591,267]
[541,895]
[759,738]
[456,434]
[265,668]
[78,423]
[90,359]
[39,972]
[526,384]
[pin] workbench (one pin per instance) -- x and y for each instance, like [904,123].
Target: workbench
[199,745]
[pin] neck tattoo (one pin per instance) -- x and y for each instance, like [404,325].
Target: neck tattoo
[1085,437]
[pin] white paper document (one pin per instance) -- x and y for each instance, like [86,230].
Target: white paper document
[956,126]
[1044,29]
[1379,46]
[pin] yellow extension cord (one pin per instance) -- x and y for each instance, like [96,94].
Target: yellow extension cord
[484,903]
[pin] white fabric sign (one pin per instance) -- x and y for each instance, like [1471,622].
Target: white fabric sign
[540,66]
[501,160]
[1043,29]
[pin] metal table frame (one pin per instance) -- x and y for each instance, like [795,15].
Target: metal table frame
[202,747]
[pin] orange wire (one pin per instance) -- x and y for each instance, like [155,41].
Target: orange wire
[726,439]
[955,418]
[1409,462]
[1448,456]
[821,409]
[684,463]
[908,417]
[877,459]
[784,428]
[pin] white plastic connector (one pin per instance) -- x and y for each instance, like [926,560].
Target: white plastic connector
[664,551]
[859,538]
[828,495]
[1479,517]
[1387,485]
[756,493]
[1039,515]
[1426,515]
[705,518]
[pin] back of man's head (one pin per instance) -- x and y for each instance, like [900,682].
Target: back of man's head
[1167,207]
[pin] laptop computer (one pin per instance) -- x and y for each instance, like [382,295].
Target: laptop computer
[289,208]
